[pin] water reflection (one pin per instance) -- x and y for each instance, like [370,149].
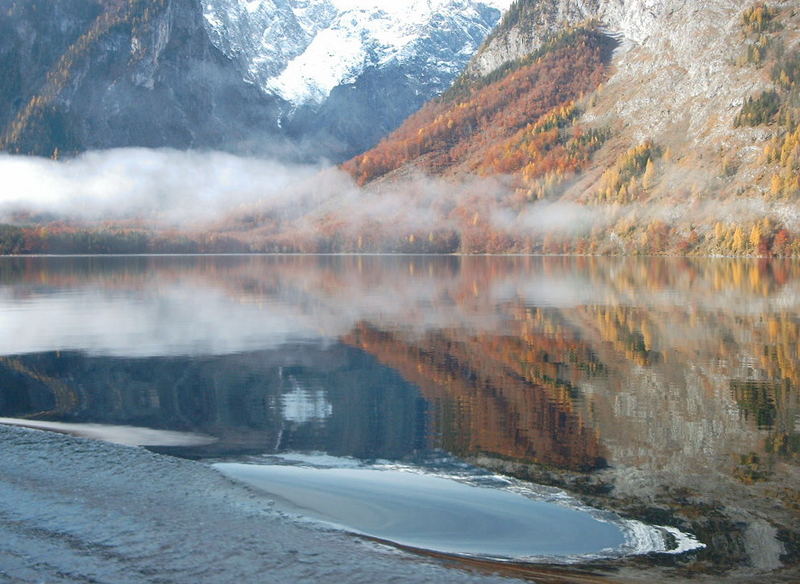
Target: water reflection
[491,395]
[663,388]
[437,514]
[298,397]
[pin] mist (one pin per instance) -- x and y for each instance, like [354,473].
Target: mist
[171,188]
[165,187]
[146,307]
[263,200]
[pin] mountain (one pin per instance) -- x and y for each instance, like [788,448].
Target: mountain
[579,126]
[349,71]
[86,74]
[314,46]
[298,78]
[624,126]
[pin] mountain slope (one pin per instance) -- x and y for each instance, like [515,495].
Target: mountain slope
[476,128]
[302,50]
[126,73]
[289,78]
[692,138]
[350,71]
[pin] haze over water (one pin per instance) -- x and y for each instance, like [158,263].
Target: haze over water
[662,389]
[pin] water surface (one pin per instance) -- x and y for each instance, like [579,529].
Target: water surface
[434,513]
[662,390]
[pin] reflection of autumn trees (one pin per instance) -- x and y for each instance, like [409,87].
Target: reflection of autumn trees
[502,391]
[643,337]
[771,406]
[627,331]
[490,394]
[512,362]
[521,394]
[65,396]
[757,355]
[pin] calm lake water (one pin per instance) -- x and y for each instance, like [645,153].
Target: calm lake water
[525,408]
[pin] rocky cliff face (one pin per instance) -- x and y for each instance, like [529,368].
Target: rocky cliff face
[350,72]
[676,76]
[525,27]
[134,73]
[328,76]
[689,144]
[531,22]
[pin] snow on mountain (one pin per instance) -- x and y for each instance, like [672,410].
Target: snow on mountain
[302,49]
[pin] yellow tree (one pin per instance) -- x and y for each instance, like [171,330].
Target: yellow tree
[755,236]
[738,240]
[648,180]
[776,185]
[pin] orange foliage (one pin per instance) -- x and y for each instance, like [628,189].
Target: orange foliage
[501,395]
[485,129]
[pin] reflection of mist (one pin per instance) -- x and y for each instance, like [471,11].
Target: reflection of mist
[173,320]
[172,306]
[302,405]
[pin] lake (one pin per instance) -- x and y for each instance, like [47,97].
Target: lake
[565,418]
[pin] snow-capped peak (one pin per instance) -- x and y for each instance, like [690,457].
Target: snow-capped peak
[302,49]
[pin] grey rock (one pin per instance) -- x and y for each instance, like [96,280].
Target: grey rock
[85,74]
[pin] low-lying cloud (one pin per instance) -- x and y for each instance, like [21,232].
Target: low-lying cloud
[216,191]
[165,186]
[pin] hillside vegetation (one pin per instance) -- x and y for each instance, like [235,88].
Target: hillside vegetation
[519,120]
[652,159]
[87,74]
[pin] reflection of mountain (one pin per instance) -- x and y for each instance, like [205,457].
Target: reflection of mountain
[696,412]
[294,398]
[484,402]
[682,375]
[615,343]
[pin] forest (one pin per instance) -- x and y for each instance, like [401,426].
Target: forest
[61,239]
[520,121]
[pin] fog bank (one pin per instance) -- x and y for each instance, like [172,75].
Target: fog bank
[261,200]
[163,186]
